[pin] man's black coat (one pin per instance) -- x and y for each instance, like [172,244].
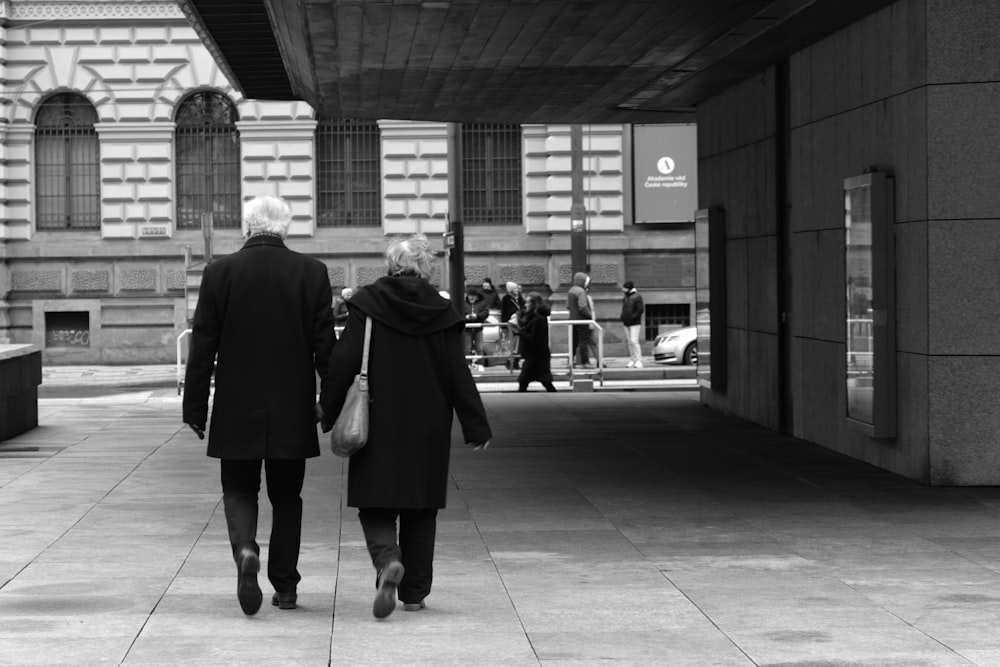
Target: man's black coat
[264,318]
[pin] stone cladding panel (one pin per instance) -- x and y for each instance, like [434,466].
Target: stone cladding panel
[175,279]
[338,276]
[135,279]
[90,281]
[36,281]
[522,274]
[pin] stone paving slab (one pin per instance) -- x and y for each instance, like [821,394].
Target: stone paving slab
[633,528]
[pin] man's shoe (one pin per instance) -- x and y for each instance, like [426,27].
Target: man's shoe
[638,364]
[284,600]
[247,590]
[388,581]
[630,364]
[413,606]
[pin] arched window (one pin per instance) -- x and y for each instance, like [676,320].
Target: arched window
[348,173]
[67,164]
[207,162]
[491,173]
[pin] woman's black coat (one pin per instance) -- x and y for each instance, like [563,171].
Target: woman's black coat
[418,379]
[534,348]
[265,324]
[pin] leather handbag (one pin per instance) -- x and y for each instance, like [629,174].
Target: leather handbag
[350,431]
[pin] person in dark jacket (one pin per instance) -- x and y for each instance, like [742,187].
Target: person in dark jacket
[491,298]
[418,381]
[578,305]
[476,312]
[264,322]
[632,309]
[534,334]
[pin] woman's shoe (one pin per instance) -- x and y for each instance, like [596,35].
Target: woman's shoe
[413,606]
[388,581]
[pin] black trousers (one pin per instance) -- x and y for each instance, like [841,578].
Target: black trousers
[581,343]
[240,488]
[414,547]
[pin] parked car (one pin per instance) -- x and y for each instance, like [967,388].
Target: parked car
[677,347]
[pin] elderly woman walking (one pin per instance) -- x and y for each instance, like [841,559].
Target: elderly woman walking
[418,380]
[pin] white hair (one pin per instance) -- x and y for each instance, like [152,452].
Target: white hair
[265,214]
[411,256]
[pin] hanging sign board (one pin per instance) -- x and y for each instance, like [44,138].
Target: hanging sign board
[665,172]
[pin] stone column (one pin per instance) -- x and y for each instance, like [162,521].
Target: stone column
[278,158]
[414,177]
[136,179]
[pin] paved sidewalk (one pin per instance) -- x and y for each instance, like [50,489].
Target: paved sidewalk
[599,529]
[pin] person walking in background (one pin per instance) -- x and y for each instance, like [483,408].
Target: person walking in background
[491,298]
[418,381]
[578,305]
[340,307]
[264,323]
[476,312]
[632,309]
[511,310]
[534,335]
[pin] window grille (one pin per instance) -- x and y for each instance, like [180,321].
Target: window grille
[208,162]
[667,316]
[67,164]
[491,174]
[348,173]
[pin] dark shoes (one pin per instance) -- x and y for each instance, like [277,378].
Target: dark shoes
[284,600]
[247,590]
[388,581]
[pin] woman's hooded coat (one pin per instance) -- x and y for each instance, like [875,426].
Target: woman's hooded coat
[418,379]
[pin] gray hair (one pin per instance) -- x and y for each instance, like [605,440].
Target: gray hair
[411,256]
[265,214]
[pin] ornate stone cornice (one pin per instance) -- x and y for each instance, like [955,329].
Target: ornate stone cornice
[12,10]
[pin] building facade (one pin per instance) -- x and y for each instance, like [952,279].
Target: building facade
[909,92]
[122,144]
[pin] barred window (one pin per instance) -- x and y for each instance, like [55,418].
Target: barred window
[207,162]
[667,315]
[491,174]
[348,173]
[67,164]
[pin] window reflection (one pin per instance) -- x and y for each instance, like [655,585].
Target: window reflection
[860,315]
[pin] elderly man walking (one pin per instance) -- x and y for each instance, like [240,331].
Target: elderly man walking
[264,323]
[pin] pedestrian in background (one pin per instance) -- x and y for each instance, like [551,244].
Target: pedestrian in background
[578,305]
[476,312]
[418,381]
[632,309]
[340,307]
[511,310]
[534,335]
[264,323]
[491,298]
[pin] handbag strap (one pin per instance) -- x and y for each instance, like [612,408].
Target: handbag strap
[364,351]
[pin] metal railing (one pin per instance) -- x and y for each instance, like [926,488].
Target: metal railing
[570,352]
[501,351]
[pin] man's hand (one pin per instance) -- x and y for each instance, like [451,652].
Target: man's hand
[318,410]
[198,430]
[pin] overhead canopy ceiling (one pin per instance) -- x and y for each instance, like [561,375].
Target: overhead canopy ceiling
[508,61]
